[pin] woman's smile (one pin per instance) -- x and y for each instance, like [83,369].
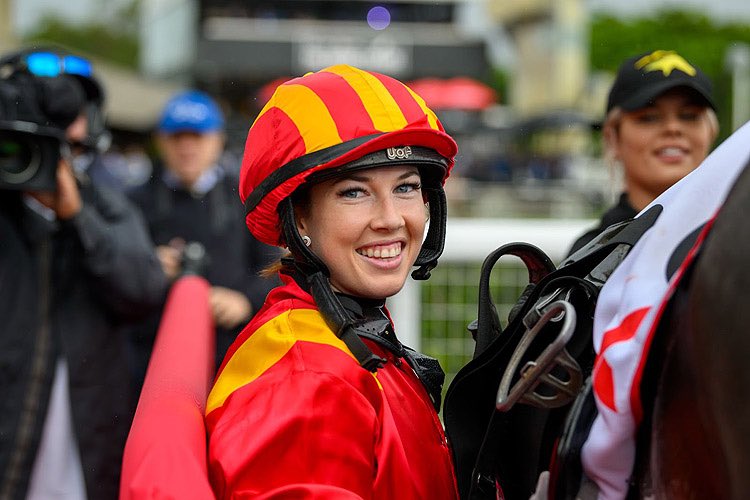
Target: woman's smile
[381,251]
[384,257]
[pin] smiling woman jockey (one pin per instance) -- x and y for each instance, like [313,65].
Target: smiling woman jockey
[317,398]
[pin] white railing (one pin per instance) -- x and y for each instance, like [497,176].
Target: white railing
[471,240]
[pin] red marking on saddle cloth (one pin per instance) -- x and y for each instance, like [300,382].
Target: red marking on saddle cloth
[604,382]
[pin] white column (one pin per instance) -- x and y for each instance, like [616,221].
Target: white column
[406,310]
[738,63]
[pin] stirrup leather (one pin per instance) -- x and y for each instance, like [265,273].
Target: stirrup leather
[538,372]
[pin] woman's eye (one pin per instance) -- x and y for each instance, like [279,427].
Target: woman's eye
[408,187]
[689,116]
[648,117]
[352,193]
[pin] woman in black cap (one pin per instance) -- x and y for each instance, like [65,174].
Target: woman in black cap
[659,126]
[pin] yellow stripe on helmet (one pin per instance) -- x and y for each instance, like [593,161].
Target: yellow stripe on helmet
[380,105]
[431,117]
[308,112]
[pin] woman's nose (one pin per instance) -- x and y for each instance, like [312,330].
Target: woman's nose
[387,215]
[673,123]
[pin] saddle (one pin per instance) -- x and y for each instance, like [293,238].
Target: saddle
[524,404]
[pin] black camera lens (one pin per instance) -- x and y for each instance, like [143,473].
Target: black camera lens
[28,161]
[20,158]
[31,138]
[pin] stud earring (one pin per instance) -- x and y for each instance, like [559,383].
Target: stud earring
[306,240]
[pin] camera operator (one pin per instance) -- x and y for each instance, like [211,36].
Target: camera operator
[75,262]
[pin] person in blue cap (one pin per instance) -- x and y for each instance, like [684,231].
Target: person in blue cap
[191,198]
[190,138]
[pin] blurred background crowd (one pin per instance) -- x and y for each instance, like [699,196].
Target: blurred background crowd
[522,85]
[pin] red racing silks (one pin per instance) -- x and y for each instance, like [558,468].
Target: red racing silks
[630,304]
[292,413]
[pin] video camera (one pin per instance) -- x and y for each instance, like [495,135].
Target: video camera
[34,113]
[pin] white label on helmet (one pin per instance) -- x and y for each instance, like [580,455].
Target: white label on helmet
[398,153]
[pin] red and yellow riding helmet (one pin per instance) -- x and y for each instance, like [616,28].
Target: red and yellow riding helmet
[334,120]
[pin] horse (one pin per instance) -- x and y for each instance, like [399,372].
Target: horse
[700,424]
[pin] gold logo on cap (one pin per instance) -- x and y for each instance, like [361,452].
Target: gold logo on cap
[665,61]
[398,153]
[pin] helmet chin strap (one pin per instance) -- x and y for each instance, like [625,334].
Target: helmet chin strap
[432,247]
[310,266]
[304,260]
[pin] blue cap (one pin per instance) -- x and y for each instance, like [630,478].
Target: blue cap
[191,111]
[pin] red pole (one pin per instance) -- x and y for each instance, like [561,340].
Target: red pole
[165,454]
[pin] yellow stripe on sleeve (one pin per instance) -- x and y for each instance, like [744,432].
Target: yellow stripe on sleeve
[266,346]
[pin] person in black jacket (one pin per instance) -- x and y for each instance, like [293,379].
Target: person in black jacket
[194,199]
[659,127]
[75,263]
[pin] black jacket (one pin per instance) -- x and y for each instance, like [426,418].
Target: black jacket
[65,289]
[215,219]
[620,212]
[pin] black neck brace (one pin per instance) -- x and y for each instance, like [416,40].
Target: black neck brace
[366,319]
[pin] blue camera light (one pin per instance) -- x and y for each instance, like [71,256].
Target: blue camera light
[51,65]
